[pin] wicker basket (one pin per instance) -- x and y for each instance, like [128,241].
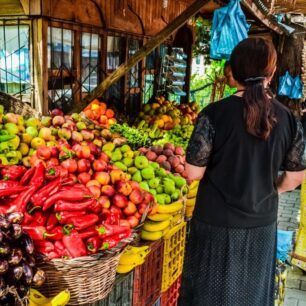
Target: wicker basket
[13,105]
[89,278]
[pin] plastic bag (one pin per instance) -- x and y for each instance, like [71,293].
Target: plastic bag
[285,85]
[229,27]
[297,88]
[284,243]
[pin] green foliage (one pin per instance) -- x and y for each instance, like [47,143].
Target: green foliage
[202,42]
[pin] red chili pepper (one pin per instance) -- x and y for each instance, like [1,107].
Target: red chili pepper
[93,244]
[12,172]
[20,203]
[4,209]
[38,177]
[73,195]
[115,216]
[57,232]
[64,216]
[8,184]
[88,232]
[12,190]
[40,218]
[106,230]
[52,172]
[109,242]
[27,218]
[83,222]
[51,222]
[37,232]
[44,246]
[61,250]
[75,245]
[27,176]
[95,207]
[72,206]
[49,189]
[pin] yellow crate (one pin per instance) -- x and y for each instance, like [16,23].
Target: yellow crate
[174,249]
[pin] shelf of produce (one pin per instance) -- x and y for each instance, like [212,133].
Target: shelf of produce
[147,277]
[174,249]
[121,294]
[170,297]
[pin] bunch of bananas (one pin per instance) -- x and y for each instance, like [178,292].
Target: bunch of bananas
[38,299]
[191,198]
[164,219]
[131,258]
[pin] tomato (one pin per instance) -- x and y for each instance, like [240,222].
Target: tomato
[133,221]
[70,164]
[83,165]
[99,165]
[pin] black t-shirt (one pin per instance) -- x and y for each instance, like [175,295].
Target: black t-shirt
[239,186]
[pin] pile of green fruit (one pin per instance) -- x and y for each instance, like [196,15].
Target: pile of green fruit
[163,185]
[153,132]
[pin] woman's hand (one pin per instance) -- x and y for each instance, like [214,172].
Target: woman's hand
[194,172]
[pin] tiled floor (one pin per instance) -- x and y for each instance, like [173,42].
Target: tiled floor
[288,219]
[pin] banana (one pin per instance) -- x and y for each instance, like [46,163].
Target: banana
[130,259]
[155,226]
[136,250]
[190,202]
[61,299]
[159,217]
[176,219]
[192,193]
[124,268]
[37,298]
[151,236]
[194,185]
[170,208]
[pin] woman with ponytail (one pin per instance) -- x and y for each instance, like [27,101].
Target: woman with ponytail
[238,146]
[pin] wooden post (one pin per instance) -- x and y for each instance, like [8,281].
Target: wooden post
[142,52]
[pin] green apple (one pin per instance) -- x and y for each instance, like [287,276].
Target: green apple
[141,162]
[32,131]
[125,148]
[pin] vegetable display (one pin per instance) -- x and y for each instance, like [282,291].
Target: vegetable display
[17,263]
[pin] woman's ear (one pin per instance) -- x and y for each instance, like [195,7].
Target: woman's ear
[272,75]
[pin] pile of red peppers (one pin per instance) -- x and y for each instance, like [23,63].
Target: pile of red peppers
[61,216]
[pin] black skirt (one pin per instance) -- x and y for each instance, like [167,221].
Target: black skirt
[229,266]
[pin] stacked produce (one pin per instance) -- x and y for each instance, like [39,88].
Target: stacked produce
[67,213]
[166,115]
[17,264]
[98,113]
[169,157]
[132,257]
[191,198]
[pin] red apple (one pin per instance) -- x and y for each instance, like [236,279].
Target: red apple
[147,198]
[93,148]
[99,165]
[104,202]
[83,165]
[108,190]
[142,208]
[84,178]
[58,120]
[124,187]
[143,150]
[135,185]
[54,151]
[120,200]
[102,177]
[104,157]
[95,191]
[70,164]
[130,209]
[161,158]
[136,196]
[133,221]
[43,152]
[137,215]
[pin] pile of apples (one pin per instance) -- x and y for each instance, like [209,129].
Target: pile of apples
[168,157]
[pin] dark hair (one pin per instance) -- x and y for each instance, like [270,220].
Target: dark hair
[252,61]
[227,65]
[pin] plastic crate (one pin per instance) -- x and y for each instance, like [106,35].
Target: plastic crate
[148,276]
[170,297]
[121,294]
[174,249]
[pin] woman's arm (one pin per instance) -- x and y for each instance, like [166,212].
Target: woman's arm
[289,180]
[194,172]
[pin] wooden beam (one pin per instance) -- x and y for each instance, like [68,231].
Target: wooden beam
[142,52]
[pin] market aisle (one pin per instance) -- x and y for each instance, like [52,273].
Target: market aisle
[288,218]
